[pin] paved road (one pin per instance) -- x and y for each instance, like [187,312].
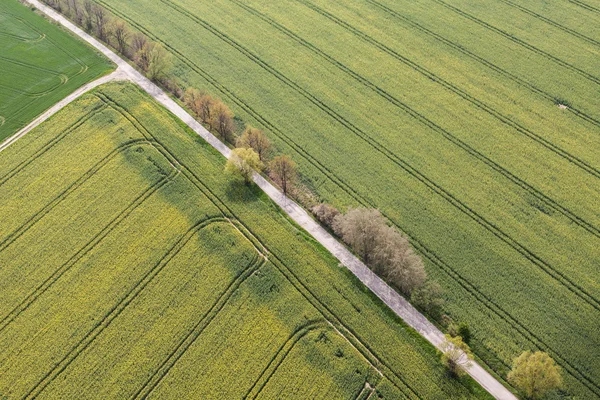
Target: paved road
[397,303]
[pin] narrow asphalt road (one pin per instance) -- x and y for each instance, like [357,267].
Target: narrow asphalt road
[397,303]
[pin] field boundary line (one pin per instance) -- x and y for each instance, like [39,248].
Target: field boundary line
[396,302]
[118,308]
[585,5]
[116,75]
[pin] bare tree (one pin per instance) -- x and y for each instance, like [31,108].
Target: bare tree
[121,34]
[222,120]
[101,18]
[206,104]
[88,6]
[325,213]
[394,259]
[191,99]
[283,171]
[255,139]
[360,228]
[138,41]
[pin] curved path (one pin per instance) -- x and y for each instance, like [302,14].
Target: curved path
[397,303]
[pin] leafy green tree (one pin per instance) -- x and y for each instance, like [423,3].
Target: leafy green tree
[535,374]
[464,332]
[456,355]
[242,163]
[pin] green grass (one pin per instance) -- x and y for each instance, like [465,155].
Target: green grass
[444,116]
[40,63]
[132,266]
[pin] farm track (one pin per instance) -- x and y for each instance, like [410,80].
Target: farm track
[521,82]
[423,120]
[551,22]
[485,300]
[280,356]
[90,245]
[13,236]
[73,127]
[191,337]
[408,168]
[452,88]
[520,42]
[585,5]
[350,335]
[80,347]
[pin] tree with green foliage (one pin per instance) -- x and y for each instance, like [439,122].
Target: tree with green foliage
[429,298]
[464,332]
[456,355]
[242,163]
[535,374]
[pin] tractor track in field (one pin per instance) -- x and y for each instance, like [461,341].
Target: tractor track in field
[13,236]
[519,42]
[452,88]
[89,246]
[189,339]
[499,70]
[292,278]
[422,248]
[585,5]
[118,308]
[280,356]
[408,168]
[48,145]
[552,22]
[430,124]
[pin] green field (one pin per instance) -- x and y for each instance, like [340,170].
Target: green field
[445,117]
[40,64]
[133,267]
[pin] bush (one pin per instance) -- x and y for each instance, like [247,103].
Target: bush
[325,214]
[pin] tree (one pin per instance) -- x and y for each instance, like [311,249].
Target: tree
[138,41]
[360,228]
[429,298]
[221,120]
[535,374]
[283,171]
[255,139]
[88,6]
[192,100]
[325,213]
[243,163]
[101,18]
[395,260]
[121,34]
[456,355]
[158,62]
[464,332]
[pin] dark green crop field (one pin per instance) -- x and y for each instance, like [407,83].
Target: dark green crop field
[132,267]
[39,65]
[473,126]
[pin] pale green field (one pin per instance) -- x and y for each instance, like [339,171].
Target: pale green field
[132,267]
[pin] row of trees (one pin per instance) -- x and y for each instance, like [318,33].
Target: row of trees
[149,56]
[386,251]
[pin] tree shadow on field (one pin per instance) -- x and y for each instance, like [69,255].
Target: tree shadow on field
[237,191]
